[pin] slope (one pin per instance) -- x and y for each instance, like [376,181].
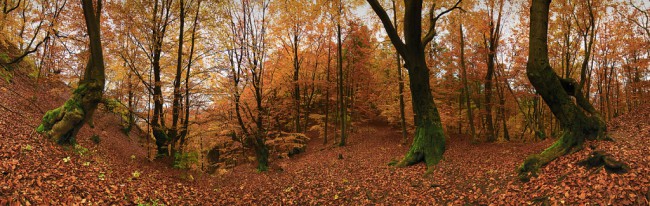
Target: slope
[37,171]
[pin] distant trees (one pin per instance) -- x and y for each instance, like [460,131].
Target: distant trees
[247,55]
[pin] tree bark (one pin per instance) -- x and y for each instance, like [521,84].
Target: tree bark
[339,64]
[400,80]
[327,93]
[468,102]
[296,76]
[577,126]
[158,33]
[63,123]
[176,102]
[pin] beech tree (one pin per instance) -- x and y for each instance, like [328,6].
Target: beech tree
[577,122]
[63,123]
[429,141]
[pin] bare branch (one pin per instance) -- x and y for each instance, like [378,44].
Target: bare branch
[390,29]
[432,25]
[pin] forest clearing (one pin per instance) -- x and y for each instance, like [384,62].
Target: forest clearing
[375,102]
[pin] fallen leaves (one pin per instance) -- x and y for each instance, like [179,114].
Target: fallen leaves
[117,172]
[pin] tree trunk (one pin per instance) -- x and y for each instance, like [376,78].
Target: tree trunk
[492,46]
[468,102]
[63,123]
[342,108]
[429,141]
[176,102]
[296,85]
[400,80]
[185,130]
[327,94]
[577,126]
[158,122]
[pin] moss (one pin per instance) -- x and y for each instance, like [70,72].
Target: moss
[49,119]
[428,146]
[566,144]
[185,160]
[4,57]
[60,124]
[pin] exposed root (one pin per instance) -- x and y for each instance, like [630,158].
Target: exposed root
[565,145]
[599,159]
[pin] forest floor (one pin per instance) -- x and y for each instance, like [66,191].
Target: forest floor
[116,171]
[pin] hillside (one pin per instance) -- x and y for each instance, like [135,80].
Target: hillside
[116,171]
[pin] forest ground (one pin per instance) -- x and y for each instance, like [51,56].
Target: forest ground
[38,171]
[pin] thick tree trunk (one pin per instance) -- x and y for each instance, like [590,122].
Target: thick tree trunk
[577,125]
[429,141]
[63,123]
[491,137]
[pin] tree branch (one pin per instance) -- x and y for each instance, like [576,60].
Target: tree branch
[432,25]
[390,29]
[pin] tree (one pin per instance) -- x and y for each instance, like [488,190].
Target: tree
[160,22]
[466,91]
[577,125]
[491,43]
[176,102]
[400,80]
[247,55]
[429,141]
[63,123]
[339,66]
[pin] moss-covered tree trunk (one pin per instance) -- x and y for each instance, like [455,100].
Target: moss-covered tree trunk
[429,141]
[578,121]
[63,123]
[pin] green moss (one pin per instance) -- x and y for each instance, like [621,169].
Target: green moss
[58,124]
[4,57]
[566,144]
[49,119]
[428,146]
